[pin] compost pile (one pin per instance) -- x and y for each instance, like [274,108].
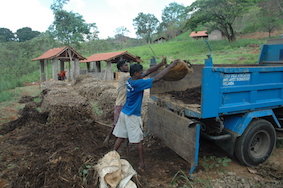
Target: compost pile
[189,96]
[57,141]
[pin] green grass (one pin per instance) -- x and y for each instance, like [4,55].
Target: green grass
[182,180]
[195,51]
[7,96]
[14,94]
[95,108]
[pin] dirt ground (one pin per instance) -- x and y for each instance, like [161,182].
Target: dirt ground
[38,150]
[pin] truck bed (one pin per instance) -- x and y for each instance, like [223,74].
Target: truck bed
[166,100]
[226,89]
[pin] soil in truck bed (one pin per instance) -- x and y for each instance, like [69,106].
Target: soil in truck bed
[189,96]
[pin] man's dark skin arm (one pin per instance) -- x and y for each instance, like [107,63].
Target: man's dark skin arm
[155,67]
[160,75]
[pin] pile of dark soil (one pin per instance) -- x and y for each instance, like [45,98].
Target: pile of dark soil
[28,114]
[50,155]
[40,154]
[189,96]
[26,99]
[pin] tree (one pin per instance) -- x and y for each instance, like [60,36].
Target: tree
[6,35]
[280,4]
[69,27]
[146,25]
[174,14]
[122,31]
[270,16]
[120,35]
[219,14]
[173,20]
[26,33]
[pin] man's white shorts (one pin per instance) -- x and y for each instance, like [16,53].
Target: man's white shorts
[129,127]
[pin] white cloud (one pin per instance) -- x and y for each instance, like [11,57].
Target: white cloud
[78,4]
[107,14]
[125,5]
[28,13]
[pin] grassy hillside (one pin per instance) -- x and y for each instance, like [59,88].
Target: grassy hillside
[181,47]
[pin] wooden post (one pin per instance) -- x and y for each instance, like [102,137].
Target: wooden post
[98,69]
[46,69]
[76,68]
[62,67]
[88,66]
[42,75]
[55,69]
[98,66]
[108,72]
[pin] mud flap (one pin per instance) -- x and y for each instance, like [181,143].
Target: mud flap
[176,132]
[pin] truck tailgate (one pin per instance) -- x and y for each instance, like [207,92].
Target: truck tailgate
[175,131]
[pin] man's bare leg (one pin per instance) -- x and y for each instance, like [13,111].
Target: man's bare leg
[118,143]
[140,150]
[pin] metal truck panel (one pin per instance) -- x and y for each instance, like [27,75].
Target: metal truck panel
[231,90]
[272,52]
[238,123]
[175,131]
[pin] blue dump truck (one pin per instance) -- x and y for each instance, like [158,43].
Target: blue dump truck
[240,108]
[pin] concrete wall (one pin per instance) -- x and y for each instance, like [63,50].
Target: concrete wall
[215,35]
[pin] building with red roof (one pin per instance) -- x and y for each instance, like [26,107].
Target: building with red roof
[213,35]
[58,57]
[94,63]
[199,34]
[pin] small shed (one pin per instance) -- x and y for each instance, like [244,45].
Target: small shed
[160,40]
[58,56]
[199,35]
[94,63]
[214,35]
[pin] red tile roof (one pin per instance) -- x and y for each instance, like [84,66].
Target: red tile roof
[111,56]
[60,53]
[199,34]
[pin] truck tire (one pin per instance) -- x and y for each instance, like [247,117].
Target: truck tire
[256,144]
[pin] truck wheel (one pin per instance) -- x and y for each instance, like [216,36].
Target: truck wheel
[256,144]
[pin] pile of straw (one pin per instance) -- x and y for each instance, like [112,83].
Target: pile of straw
[84,78]
[106,103]
[92,91]
[65,105]
[55,83]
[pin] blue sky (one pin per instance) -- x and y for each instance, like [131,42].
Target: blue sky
[107,14]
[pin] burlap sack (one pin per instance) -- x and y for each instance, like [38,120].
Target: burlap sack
[115,172]
[178,72]
[109,170]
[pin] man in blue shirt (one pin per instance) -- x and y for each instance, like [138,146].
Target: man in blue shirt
[129,124]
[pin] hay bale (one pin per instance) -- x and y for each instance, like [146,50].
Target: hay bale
[61,90]
[55,83]
[66,107]
[92,91]
[58,91]
[106,103]
[83,79]
[178,72]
